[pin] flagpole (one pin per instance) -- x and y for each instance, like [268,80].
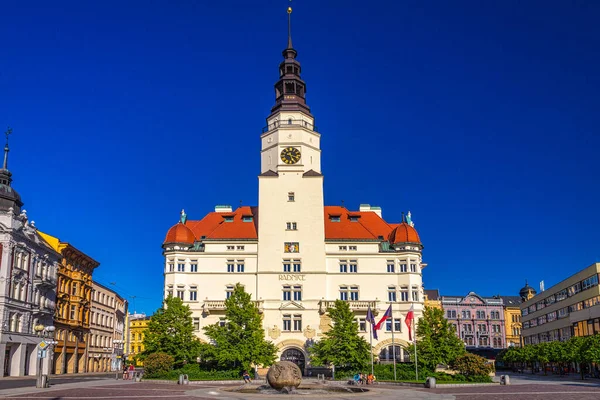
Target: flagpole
[371,343]
[415,342]
[393,347]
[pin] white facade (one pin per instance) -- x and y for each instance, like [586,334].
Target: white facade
[296,256]
[28,268]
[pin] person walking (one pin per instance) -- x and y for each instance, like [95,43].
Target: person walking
[131,371]
[125,374]
[246,377]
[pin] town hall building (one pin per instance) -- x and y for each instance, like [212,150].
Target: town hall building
[295,255]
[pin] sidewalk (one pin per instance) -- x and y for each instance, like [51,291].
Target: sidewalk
[72,375]
[63,386]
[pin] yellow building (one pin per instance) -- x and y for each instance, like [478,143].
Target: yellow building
[73,303]
[432,299]
[512,320]
[138,323]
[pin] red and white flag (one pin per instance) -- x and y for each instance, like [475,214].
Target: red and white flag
[388,314]
[409,320]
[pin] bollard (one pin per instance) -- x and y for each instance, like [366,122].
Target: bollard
[504,380]
[430,383]
[137,377]
[45,382]
[183,379]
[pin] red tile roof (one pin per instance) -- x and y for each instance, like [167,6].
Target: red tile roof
[366,225]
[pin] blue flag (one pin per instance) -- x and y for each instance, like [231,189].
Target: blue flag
[371,319]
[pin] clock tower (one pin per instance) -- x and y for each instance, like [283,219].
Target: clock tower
[291,228]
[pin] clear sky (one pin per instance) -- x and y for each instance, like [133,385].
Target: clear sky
[481,118]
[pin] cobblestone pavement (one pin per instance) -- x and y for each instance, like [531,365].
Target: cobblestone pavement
[148,390]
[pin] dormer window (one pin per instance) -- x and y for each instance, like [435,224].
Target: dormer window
[228,219]
[335,218]
[247,218]
[353,219]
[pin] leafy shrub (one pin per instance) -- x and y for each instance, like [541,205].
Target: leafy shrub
[471,365]
[157,364]
[196,373]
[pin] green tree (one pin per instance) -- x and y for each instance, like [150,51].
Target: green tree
[542,355]
[157,364]
[341,346]
[576,349]
[170,331]
[437,342]
[240,342]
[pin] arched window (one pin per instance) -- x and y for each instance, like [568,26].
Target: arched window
[387,353]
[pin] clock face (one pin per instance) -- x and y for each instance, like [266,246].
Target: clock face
[290,155]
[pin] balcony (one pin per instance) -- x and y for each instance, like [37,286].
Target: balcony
[219,305]
[355,305]
[291,124]
[48,281]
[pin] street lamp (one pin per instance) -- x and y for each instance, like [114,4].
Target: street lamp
[118,345]
[43,346]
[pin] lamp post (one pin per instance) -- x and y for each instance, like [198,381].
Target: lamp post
[43,346]
[118,346]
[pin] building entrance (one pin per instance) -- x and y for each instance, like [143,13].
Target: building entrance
[296,356]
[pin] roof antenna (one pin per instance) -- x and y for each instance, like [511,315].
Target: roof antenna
[8,132]
[403,219]
[343,204]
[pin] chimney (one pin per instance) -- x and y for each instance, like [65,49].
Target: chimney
[368,207]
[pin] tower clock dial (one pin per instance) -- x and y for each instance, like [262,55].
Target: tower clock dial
[290,155]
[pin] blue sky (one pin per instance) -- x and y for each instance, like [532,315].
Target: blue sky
[479,117]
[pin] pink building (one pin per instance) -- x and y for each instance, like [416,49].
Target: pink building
[478,321]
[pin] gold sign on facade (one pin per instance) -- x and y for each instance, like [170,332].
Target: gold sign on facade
[292,277]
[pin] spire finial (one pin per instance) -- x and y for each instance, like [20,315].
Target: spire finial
[289,11]
[7,133]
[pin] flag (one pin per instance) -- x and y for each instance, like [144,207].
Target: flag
[371,319]
[408,320]
[388,314]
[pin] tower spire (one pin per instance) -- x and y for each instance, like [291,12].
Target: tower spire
[289,11]
[6,150]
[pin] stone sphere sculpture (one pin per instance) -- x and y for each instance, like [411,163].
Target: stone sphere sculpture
[284,376]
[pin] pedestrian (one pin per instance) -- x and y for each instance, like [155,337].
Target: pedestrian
[370,379]
[125,375]
[131,371]
[246,377]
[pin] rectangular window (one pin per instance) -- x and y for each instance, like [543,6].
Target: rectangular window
[573,290]
[343,292]
[180,267]
[230,248]
[362,324]
[398,324]
[563,294]
[247,218]
[354,293]
[589,282]
[525,312]
[551,316]
[230,266]
[540,305]
[391,293]
[353,218]
[196,323]
[297,322]
[228,291]
[403,268]
[404,293]
[415,294]
[388,325]
[228,218]
[74,289]
[180,294]
[73,312]
[194,267]
[353,266]
[287,293]
[222,322]
[287,266]
[193,295]
[297,292]
[287,322]
[297,266]
[335,218]
[343,248]
[352,248]
[291,226]
[343,266]
[240,266]
[291,196]
[390,266]
[171,267]
[413,267]
[241,247]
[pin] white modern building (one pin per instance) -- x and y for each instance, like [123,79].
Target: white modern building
[28,268]
[295,255]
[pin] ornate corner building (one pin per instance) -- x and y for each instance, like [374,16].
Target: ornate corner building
[295,255]
[73,307]
[28,271]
